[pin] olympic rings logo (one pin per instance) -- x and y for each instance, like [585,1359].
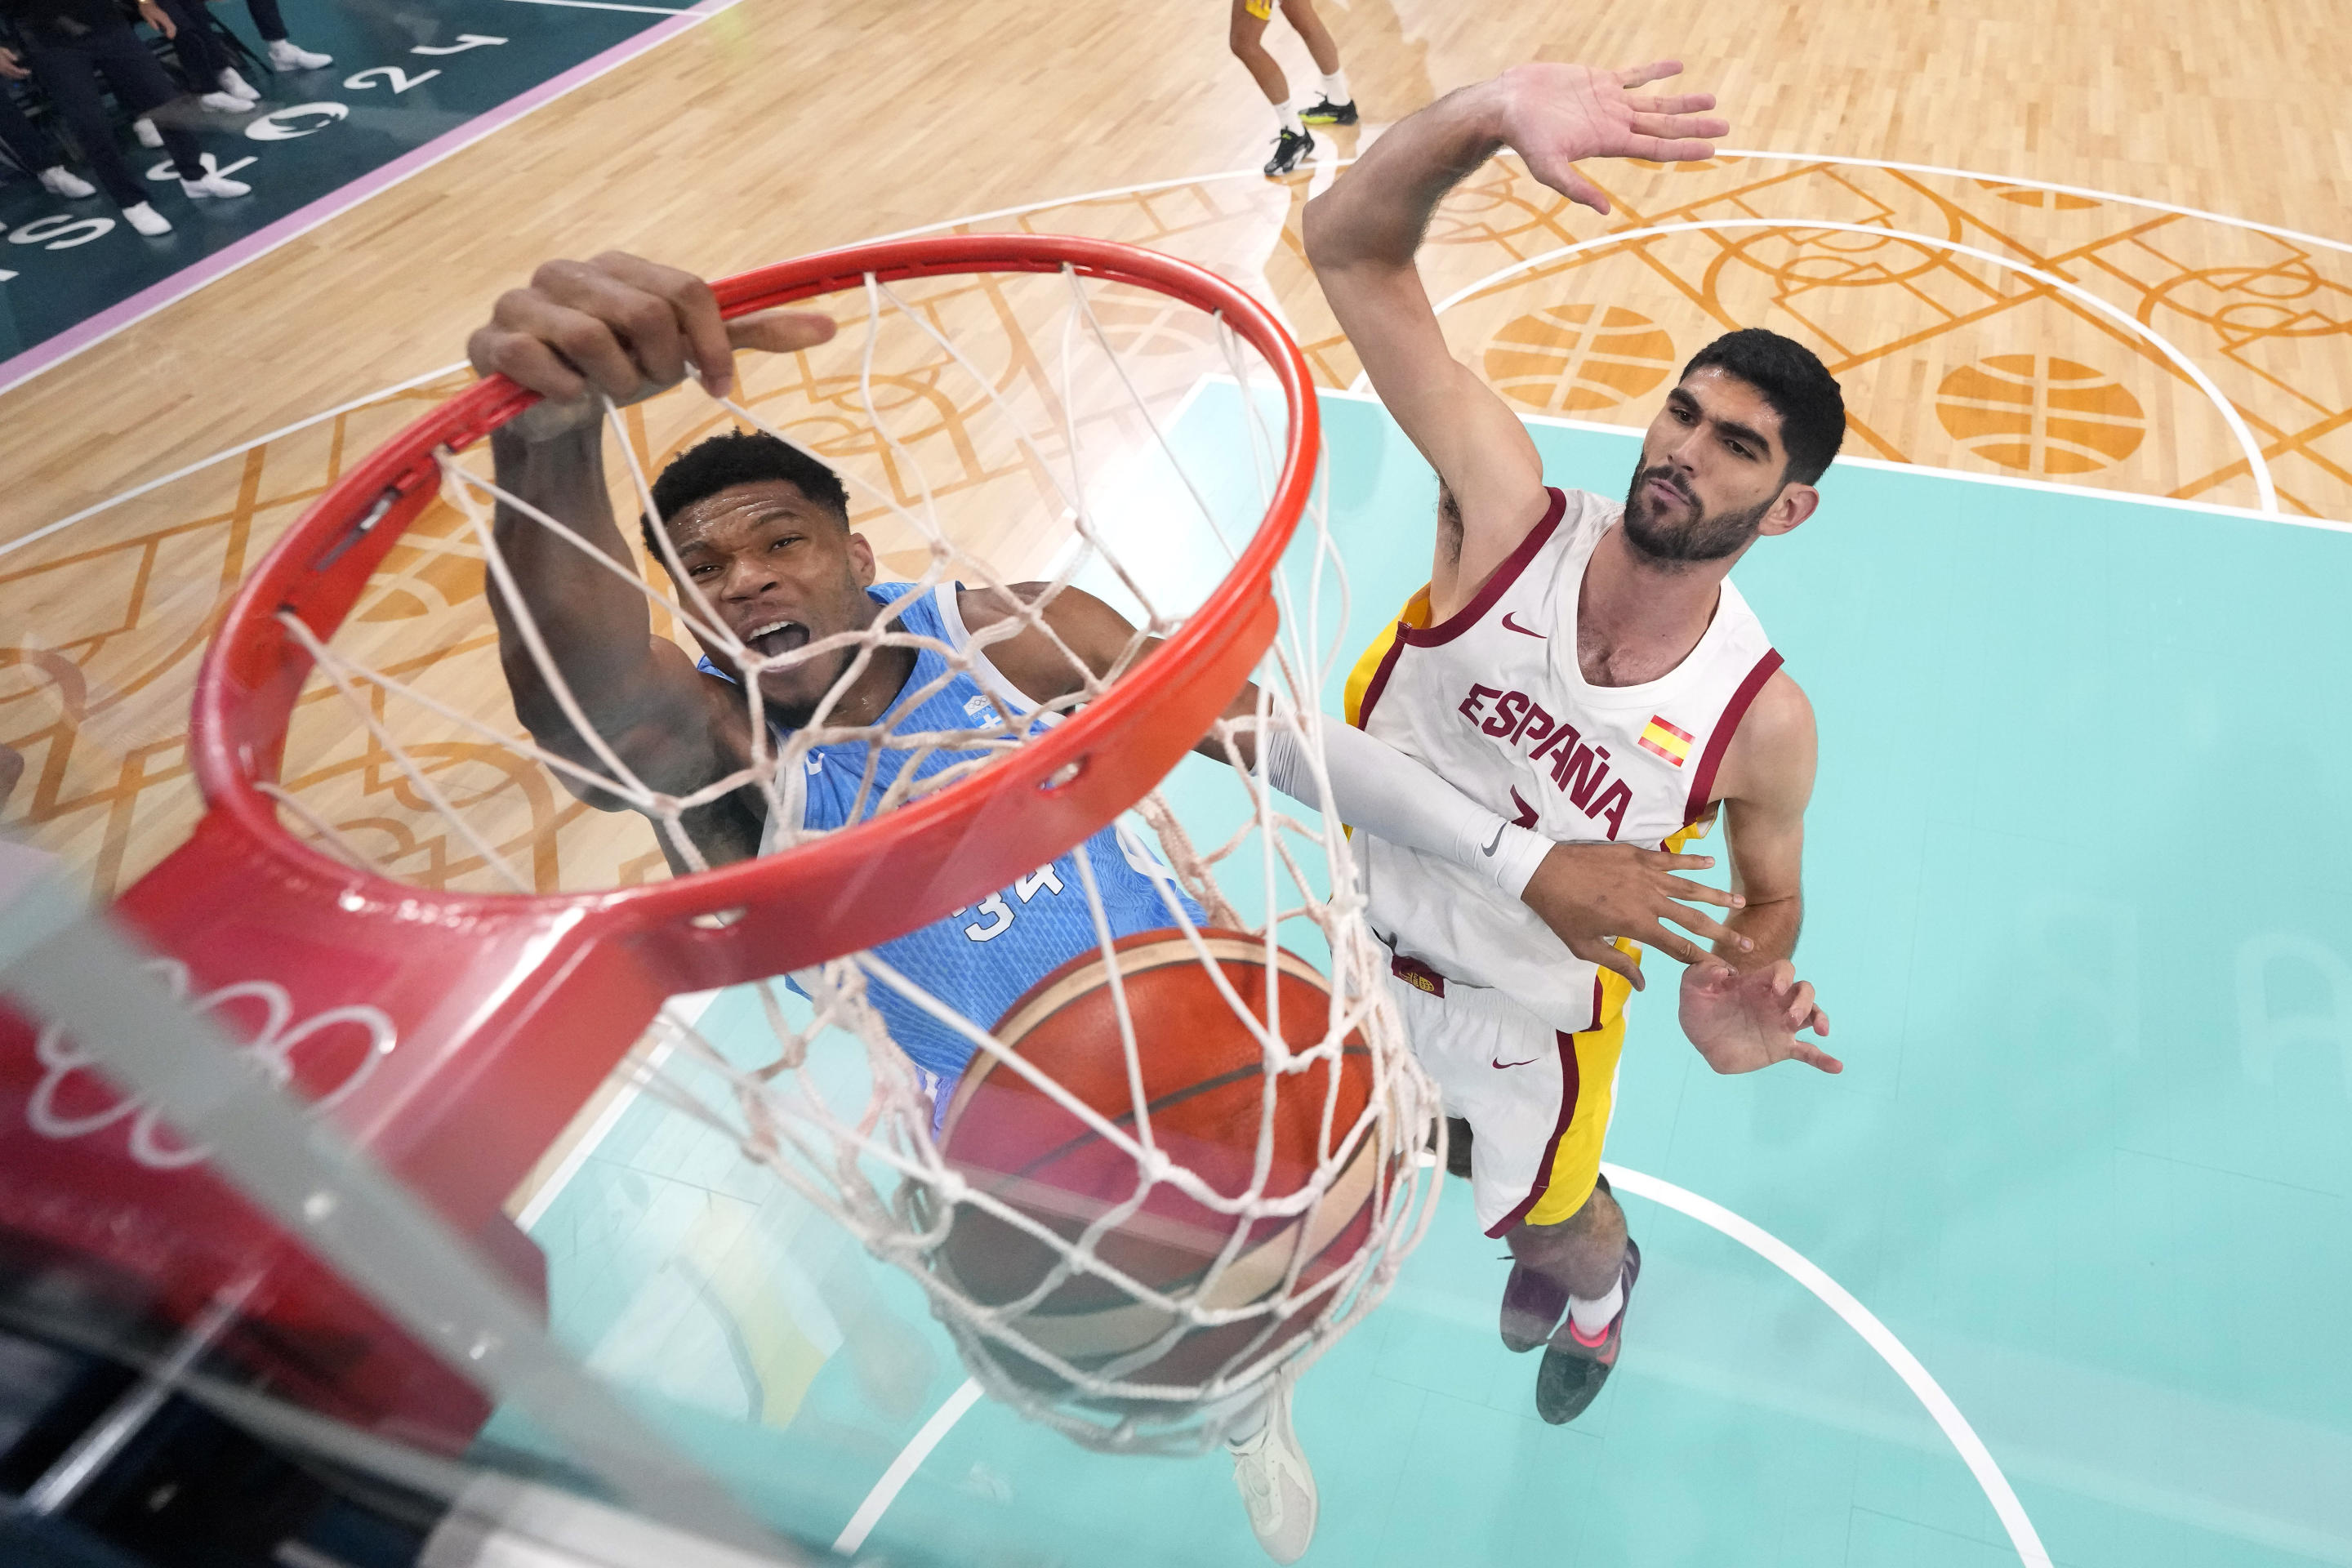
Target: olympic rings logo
[274,1053]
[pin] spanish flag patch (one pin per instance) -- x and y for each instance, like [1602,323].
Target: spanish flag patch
[1665,740]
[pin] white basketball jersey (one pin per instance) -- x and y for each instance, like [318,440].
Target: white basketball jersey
[1494,701]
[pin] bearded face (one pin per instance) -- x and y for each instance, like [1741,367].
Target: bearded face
[1666,521]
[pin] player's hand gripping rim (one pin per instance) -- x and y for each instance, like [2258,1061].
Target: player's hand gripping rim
[1554,115]
[624,326]
[1590,893]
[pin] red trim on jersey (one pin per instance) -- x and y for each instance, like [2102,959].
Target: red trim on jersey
[1469,614]
[1702,789]
[1381,678]
[1570,1087]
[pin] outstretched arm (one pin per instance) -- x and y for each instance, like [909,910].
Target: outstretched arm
[1584,892]
[1363,233]
[1743,1009]
[627,327]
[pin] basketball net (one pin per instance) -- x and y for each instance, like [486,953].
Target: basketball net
[828,1101]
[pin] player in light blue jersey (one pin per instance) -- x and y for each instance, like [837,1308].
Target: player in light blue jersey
[982,957]
[761,539]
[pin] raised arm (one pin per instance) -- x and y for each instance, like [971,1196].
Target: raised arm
[1363,233]
[628,328]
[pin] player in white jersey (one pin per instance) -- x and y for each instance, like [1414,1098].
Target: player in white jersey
[762,534]
[1587,670]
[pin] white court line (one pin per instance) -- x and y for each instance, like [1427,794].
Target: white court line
[1875,1334]
[238,451]
[1756,1238]
[2088,190]
[2076,291]
[902,1468]
[1146,186]
[1882,465]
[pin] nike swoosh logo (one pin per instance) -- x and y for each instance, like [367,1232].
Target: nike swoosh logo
[1526,632]
[1497,839]
[1506,1066]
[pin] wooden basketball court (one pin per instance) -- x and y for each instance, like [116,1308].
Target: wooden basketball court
[2105,251]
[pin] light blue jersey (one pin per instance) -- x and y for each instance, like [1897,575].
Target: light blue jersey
[981,958]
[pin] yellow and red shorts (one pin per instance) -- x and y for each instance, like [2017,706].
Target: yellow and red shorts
[1537,1098]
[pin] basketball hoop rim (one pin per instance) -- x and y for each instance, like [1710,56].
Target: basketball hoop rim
[254,672]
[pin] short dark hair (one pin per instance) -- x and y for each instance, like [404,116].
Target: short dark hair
[1799,388]
[740,458]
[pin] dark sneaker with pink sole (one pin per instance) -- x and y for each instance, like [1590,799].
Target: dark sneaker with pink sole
[1574,1368]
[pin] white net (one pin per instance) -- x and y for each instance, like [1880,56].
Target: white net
[1142,1125]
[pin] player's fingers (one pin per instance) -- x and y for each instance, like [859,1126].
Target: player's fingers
[1608,955]
[1673,943]
[1641,76]
[591,346]
[1700,893]
[1704,927]
[1666,862]
[1673,140]
[693,314]
[526,360]
[781,332]
[1800,1008]
[1560,175]
[1820,1023]
[644,319]
[1814,1056]
[1671,103]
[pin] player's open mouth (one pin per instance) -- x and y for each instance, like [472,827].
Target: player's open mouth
[776,637]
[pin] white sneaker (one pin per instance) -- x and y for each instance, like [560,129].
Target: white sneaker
[144,128]
[286,56]
[237,86]
[215,185]
[1275,1484]
[147,220]
[61,181]
[226,102]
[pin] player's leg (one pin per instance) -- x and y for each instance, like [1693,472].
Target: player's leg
[1573,1265]
[1246,36]
[1271,1472]
[1337,104]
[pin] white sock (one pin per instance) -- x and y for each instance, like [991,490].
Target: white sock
[1251,1427]
[1288,112]
[1334,87]
[1591,1318]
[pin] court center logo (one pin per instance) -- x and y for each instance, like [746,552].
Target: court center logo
[320,1055]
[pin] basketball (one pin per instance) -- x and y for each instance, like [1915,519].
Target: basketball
[1211,1102]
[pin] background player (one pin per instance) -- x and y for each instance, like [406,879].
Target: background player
[1588,668]
[1336,106]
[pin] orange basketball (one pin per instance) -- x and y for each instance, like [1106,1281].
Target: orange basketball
[1206,1086]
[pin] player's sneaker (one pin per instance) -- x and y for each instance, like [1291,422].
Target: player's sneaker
[1325,112]
[1290,149]
[1573,1367]
[1276,1485]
